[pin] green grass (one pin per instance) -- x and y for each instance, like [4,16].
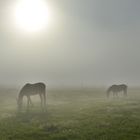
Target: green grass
[72,115]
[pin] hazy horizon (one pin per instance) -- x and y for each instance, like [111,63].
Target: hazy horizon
[89,43]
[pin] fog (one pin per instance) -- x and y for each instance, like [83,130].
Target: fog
[89,42]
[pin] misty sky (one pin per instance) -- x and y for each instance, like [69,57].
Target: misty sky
[90,42]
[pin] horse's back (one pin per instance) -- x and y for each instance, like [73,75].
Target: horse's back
[33,88]
[38,85]
[118,87]
[123,85]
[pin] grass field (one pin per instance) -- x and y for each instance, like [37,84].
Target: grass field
[72,114]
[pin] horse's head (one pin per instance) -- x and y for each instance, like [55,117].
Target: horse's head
[19,102]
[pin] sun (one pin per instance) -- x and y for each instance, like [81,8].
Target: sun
[31,15]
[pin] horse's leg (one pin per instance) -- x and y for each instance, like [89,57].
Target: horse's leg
[41,100]
[44,100]
[30,101]
[114,94]
[117,94]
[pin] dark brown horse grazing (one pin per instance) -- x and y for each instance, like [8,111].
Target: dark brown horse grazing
[29,90]
[115,89]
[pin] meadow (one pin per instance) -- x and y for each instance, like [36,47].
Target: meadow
[72,114]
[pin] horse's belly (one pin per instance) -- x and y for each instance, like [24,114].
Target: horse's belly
[32,92]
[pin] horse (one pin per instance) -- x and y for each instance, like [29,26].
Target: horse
[30,90]
[115,89]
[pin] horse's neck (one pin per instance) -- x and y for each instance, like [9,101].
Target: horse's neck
[109,90]
[20,97]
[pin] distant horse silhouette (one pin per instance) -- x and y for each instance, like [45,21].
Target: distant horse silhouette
[115,89]
[29,90]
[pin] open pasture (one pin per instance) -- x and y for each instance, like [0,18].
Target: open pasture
[72,114]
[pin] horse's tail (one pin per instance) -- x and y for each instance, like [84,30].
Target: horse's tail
[45,92]
[125,90]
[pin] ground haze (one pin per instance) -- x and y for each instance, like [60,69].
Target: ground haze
[72,114]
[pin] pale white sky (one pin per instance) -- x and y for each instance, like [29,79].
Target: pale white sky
[95,42]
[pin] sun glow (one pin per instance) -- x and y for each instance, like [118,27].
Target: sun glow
[32,15]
